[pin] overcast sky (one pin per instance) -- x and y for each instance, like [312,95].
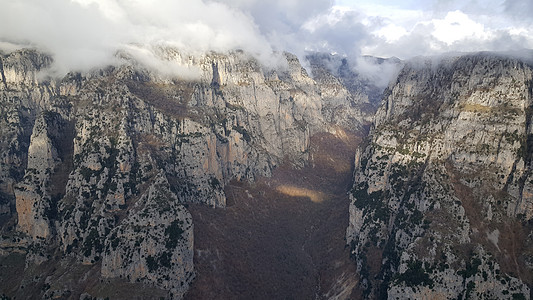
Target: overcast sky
[84,33]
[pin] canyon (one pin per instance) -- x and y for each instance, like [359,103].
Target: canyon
[246,181]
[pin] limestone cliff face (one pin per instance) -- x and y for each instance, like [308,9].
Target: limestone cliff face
[19,96]
[442,190]
[34,203]
[134,249]
[97,168]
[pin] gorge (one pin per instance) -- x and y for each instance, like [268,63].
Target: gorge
[245,181]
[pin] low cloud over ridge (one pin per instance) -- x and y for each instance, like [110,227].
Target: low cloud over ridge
[87,33]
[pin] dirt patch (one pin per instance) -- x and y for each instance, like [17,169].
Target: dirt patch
[10,272]
[515,246]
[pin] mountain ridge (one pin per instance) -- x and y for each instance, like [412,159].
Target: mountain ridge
[440,178]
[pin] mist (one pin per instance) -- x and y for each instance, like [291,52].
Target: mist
[86,34]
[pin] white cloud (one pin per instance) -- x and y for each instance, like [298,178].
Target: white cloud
[458,26]
[391,33]
[86,33]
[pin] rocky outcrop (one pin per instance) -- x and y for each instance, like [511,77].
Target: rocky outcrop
[441,205]
[22,68]
[34,203]
[154,238]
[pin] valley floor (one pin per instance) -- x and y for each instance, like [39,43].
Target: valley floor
[281,237]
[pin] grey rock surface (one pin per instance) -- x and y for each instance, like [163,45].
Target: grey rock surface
[441,202]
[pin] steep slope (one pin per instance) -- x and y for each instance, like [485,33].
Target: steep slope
[441,202]
[96,168]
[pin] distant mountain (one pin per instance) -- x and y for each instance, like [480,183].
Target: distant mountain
[365,79]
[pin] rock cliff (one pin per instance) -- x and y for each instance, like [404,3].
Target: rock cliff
[97,168]
[441,202]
